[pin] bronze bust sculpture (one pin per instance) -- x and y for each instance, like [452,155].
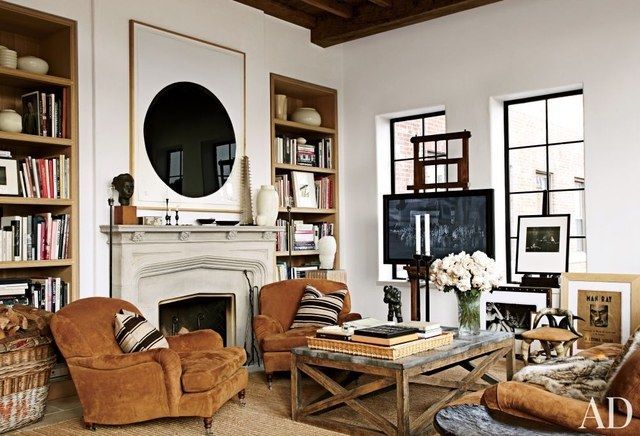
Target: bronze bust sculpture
[124,184]
[393,298]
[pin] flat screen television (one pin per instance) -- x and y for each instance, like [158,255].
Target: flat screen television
[459,221]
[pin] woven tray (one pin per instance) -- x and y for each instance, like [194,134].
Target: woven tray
[379,352]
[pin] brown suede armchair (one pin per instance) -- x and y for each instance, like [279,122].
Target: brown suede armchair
[278,307]
[194,377]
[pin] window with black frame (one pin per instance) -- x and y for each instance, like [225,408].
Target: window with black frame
[544,168]
[402,130]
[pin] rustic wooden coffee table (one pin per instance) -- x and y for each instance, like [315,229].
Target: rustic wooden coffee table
[419,368]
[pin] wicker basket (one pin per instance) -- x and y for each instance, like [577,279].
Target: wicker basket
[24,383]
[379,352]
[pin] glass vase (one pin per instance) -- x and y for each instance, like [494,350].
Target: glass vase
[468,312]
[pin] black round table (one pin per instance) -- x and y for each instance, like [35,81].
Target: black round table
[467,420]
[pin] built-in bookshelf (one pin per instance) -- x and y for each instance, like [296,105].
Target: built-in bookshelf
[47,162]
[285,160]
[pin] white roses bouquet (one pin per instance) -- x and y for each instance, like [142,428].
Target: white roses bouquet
[464,272]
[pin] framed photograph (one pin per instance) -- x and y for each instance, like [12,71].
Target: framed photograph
[608,303]
[543,244]
[512,311]
[458,221]
[9,177]
[304,189]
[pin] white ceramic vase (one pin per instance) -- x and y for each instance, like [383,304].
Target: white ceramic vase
[307,115]
[267,206]
[10,121]
[327,246]
[33,64]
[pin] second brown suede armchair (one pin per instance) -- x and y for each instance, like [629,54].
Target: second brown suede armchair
[195,376]
[279,304]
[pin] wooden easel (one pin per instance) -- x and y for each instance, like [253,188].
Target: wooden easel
[421,164]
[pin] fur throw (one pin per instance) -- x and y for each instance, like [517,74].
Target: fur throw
[574,377]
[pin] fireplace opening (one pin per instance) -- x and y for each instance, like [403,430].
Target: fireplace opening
[197,312]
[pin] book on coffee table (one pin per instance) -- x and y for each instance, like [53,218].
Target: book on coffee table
[385,335]
[334,332]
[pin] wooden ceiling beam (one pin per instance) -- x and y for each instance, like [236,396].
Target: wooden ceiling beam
[383,3]
[372,19]
[333,7]
[279,10]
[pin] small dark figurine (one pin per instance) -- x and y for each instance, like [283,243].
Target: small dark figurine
[124,184]
[393,299]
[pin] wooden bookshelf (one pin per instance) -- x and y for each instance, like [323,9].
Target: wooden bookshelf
[325,101]
[54,39]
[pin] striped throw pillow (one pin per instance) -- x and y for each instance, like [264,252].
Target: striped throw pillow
[135,333]
[318,309]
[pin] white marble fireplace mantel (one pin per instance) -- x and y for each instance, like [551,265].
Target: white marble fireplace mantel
[152,264]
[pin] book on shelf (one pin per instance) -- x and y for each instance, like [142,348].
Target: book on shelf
[282,270]
[45,113]
[44,178]
[324,192]
[313,152]
[48,293]
[35,237]
[305,235]
[283,188]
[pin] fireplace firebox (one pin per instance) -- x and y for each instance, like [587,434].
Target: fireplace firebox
[197,312]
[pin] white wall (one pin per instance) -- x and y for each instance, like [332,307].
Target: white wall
[270,45]
[469,62]
[466,62]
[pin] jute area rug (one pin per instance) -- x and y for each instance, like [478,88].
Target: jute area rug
[267,413]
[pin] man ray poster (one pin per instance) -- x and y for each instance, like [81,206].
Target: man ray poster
[601,312]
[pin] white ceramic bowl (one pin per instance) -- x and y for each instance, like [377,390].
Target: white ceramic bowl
[33,64]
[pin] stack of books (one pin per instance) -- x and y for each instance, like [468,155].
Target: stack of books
[44,178]
[34,237]
[379,339]
[48,293]
[304,236]
[306,155]
[313,153]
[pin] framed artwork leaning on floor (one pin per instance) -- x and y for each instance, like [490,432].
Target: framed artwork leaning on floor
[608,303]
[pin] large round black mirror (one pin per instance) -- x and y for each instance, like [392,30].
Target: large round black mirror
[189,139]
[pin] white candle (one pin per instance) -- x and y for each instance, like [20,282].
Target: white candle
[427,234]
[418,249]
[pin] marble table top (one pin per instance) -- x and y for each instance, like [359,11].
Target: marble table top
[458,346]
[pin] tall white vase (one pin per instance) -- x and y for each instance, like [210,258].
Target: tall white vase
[267,206]
[327,246]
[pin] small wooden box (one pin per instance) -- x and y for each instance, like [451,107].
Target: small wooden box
[337,275]
[125,215]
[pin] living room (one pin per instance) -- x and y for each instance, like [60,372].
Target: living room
[534,105]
